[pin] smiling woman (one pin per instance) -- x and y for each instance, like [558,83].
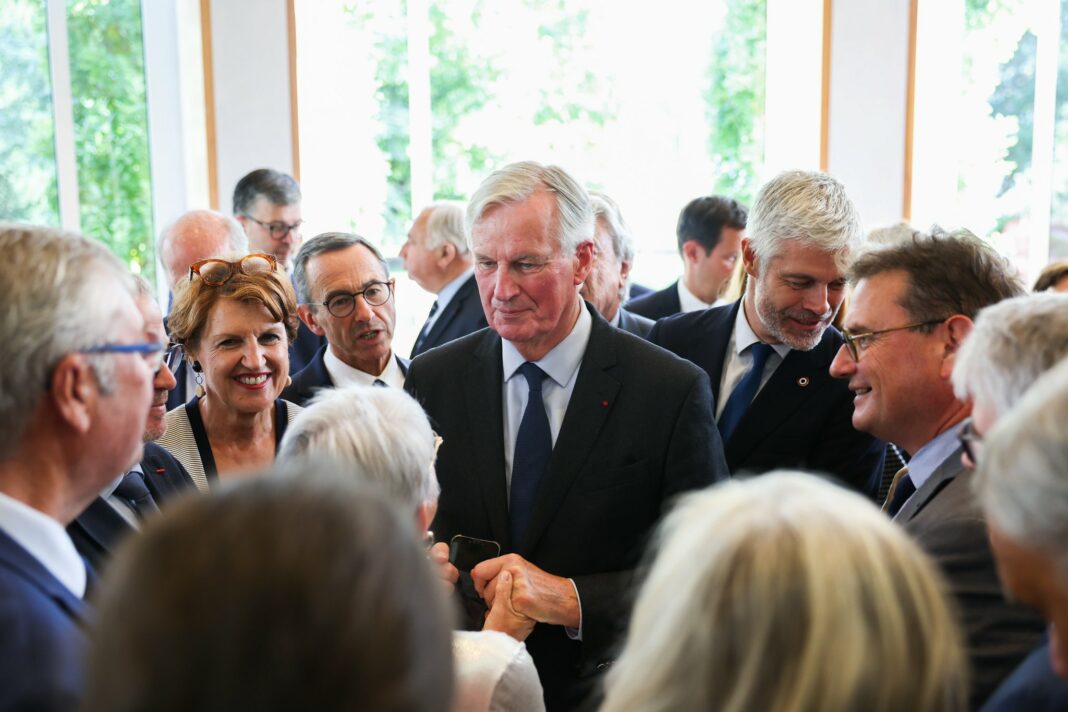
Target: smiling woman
[235,319]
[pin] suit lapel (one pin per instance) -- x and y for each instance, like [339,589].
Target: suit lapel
[721,324]
[950,468]
[450,311]
[103,525]
[585,416]
[483,382]
[23,564]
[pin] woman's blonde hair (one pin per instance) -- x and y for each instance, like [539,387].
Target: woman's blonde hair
[785,592]
[193,300]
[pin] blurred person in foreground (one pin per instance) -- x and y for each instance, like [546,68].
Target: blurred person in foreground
[233,316]
[784,592]
[381,435]
[75,389]
[320,599]
[1053,278]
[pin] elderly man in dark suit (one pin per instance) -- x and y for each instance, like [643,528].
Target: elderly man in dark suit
[140,491]
[609,278]
[767,355]
[437,258]
[912,309]
[345,295]
[76,383]
[564,438]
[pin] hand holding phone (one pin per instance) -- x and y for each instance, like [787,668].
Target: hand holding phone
[466,552]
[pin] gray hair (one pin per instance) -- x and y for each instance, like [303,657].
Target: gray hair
[321,244]
[518,181]
[279,188]
[604,208]
[445,223]
[204,222]
[1012,343]
[51,288]
[1022,476]
[382,433]
[806,206]
[744,608]
[896,234]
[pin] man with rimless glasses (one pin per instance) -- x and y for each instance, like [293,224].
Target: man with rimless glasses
[912,309]
[346,295]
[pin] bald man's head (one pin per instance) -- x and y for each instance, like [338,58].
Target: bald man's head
[197,235]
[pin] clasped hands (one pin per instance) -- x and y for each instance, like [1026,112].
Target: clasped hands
[517,593]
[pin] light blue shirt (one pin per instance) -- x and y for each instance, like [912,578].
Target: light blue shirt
[931,456]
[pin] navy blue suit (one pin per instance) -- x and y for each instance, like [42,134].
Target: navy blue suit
[42,640]
[657,305]
[1032,686]
[801,418]
[315,377]
[463,315]
[97,531]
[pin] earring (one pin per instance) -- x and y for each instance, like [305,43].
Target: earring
[199,378]
[197,367]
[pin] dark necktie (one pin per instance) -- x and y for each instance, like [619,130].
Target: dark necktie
[533,447]
[743,393]
[380,383]
[132,491]
[900,491]
[425,330]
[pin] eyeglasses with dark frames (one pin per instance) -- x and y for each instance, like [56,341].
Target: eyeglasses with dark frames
[215,272]
[279,229]
[971,442]
[342,304]
[152,352]
[858,343]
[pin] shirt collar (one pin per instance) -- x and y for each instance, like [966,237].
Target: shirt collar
[689,301]
[931,456]
[449,290]
[562,362]
[744,336]
[46,540]
[343,374]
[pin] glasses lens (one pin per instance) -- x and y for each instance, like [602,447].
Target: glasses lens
[255,263]
[215,272]
[173,356]
[342,305]
[377,294]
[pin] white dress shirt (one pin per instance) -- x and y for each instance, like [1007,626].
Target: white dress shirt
[46,540]
[739,359]
[343,374]
[445,296]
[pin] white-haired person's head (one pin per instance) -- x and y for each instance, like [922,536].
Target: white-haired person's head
[785,592]
[1011,344]
[380,434]
[1021,481]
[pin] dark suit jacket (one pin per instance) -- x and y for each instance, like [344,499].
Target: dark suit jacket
[628,444]
[948,523]
[657,305]
[636,290]
[178,396]
[1032,686]
[315,377]
[98,530]
[43,642]
[801,418]
[635,324]
[463,315]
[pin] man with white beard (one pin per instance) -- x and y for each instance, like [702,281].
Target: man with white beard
[768,354]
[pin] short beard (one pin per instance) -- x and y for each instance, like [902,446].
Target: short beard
[775,321]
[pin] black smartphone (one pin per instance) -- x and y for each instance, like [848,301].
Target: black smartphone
[467,552]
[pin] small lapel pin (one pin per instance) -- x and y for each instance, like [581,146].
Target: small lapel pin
[604,404]
[803,381]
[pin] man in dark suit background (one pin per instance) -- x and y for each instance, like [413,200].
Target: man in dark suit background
[609,278]
[558,442]
[767,355]
[437,258]
[133,494]
[75,385]
[709,233]
[912,309]
[346,296]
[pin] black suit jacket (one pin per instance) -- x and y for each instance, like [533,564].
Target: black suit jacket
[628,444]
[463,315]
[315,377]
[801,418]
[99,529]
[635,323]
[657,305]
[178,396]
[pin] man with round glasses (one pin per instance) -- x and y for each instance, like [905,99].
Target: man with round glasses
[267,204]
[346,295]
[912,309]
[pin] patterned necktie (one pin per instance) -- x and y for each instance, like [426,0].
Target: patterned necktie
[425,330]
[133,492]
[533,447]
[743,393]
[900,491]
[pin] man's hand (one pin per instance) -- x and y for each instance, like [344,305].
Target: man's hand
[439,558]
[534,593]
[503,616]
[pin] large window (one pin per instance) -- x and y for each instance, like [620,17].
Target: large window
[94,121]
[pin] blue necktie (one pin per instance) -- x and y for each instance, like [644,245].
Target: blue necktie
[133,491]
[743,393]
[533,447]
